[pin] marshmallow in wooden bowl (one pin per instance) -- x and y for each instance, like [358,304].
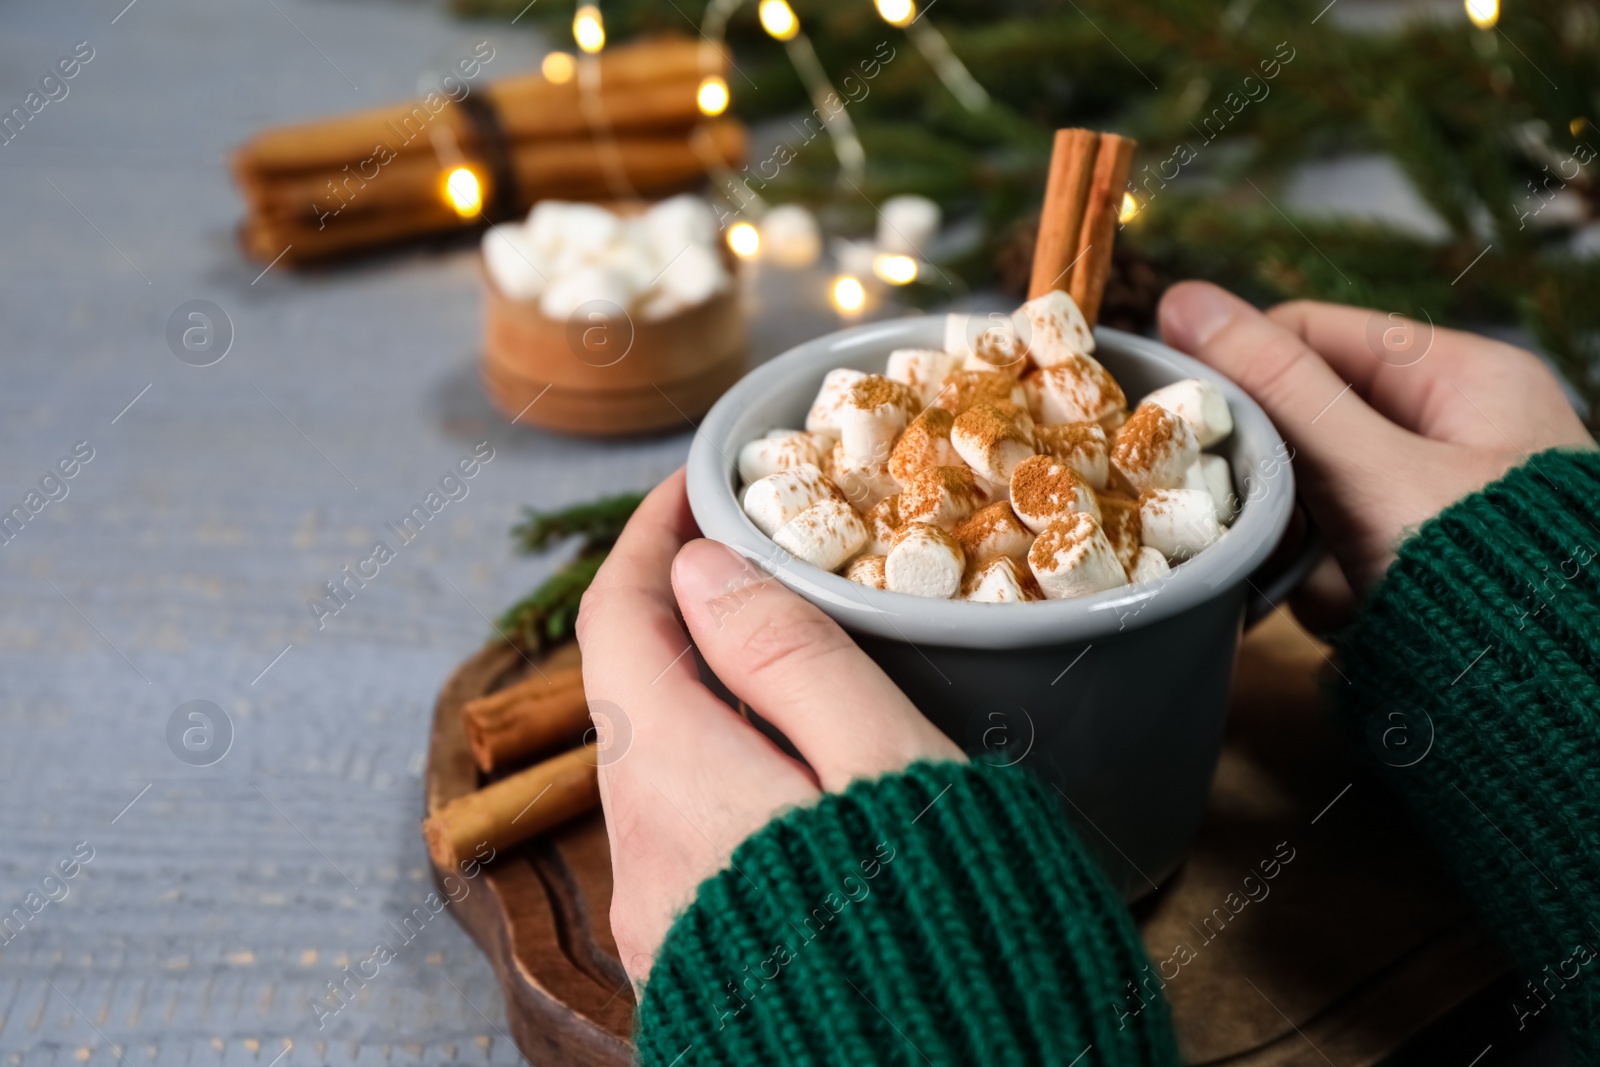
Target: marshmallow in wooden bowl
[1003,469]
[616,321]
[652,265]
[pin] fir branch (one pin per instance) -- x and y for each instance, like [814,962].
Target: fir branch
[598,523]
[549,614]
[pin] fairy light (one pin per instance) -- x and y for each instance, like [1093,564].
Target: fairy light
[744,239]
[712,96]
[848,295]
[588,29]
[1483,13]
[894,269]
[897,12]
[463,192]
[777,18]
[558,67]
[1130,208]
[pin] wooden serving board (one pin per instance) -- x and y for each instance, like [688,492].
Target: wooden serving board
[1352,948]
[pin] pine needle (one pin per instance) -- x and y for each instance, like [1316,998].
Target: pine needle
[549,615]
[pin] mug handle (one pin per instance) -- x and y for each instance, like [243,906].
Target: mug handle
[1272,583]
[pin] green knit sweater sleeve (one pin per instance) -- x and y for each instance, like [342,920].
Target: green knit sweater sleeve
[943,915]
[1473,674]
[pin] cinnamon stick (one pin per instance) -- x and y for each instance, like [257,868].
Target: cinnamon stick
[514,809]
[529,106]
[1099,229]
[1065,195]
[666,158]
[506,728]
[571,171]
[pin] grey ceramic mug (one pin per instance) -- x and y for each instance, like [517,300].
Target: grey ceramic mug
[1117,699]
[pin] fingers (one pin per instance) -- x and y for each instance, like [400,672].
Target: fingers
[683,778]
[628,626]
[1410,371]
[1313,407]
[795,667]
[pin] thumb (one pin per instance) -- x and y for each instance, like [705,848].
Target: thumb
[1329,426]
[796,668]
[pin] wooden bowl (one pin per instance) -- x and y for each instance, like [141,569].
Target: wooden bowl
[599,374]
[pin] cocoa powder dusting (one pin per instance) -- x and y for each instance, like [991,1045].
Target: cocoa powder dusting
[1143,437]
[1041,485]
[875,391]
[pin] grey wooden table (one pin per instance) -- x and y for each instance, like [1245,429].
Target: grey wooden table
[234,880]
[222,899]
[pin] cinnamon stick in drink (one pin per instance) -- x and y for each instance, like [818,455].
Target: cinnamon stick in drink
[536,715]
[1099,230]
[1065,196]
[514,809]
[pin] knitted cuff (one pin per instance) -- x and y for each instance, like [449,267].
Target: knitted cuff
[1473,675]
[946,914]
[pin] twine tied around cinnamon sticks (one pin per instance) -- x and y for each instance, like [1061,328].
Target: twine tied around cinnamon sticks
[1082,198]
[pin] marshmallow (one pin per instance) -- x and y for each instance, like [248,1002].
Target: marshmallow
[1053,329]
[824,414]
[1000,580]
[1077,389]
[964,388]
[883,521]
[1045,490]
[993,439]
[514,262]
[1119,518]
[568,291]
[907,223]
[863,485]
[922,370]
[1178,523]
[956,340]
[925,443]
[1154,449]
[675,222]
[868,571]
[925,561]
[692,277]
[774,500]
[790,237]
[779,450]
[824,535]
[1212,474]
[1083,446]
[1113,422]
[1073,558]
[871,417]
[997,346]
[995,531]
[1148,566]
[1201,404]
[941,496]
[562,228]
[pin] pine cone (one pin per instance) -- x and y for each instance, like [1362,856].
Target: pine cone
[1133,291]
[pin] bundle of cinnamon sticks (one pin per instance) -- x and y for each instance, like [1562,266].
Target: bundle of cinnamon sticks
[544,717]
[621,125]
[1078,224]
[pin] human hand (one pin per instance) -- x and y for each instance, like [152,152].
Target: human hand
[692,778]
[1426,424]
